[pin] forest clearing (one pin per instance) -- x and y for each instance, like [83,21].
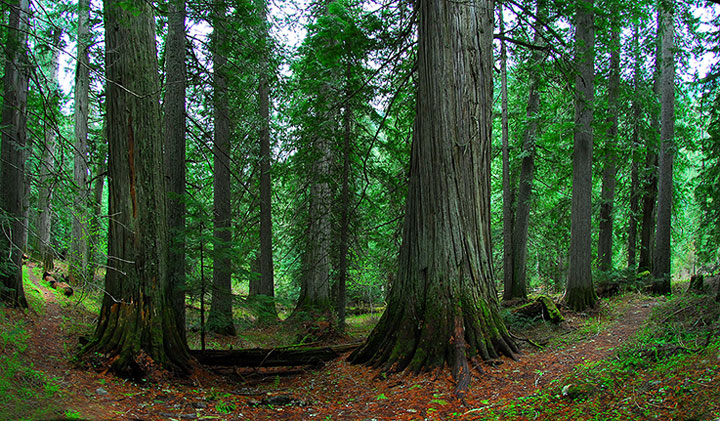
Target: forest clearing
[634,357]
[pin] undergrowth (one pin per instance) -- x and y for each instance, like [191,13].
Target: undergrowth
[669,370]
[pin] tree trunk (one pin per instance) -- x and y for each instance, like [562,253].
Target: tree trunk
[527,168]
[580,293]
[220,319]
[13,156]
[274,357]
[661,266]
[344,246]
[78,245]
[266,286]
[96,255]
[443,307]
[315,282]
[136,320]
[607,196]
[47,165]
[634,165]
[647,226]
[508,193]
[647,229]
[174,129]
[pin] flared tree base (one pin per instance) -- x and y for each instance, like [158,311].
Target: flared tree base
[132,338]
[580,299]
[446,336]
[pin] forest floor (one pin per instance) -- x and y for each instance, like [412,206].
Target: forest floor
[633,357]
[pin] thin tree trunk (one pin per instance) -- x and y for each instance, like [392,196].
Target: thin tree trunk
[96,257]
[220,319]
[78,244]
[174,129]
[136,321]
[47,166]
[607,196]
[527,168]
[443,306]
[647,229]
[661,267]
[266,286]
[580,292]
[13,156]
[508,193]
[634,165]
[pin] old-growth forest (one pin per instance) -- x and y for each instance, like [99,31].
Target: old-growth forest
[360,209]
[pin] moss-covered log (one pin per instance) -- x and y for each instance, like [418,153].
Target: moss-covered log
[443,308]
[541,307]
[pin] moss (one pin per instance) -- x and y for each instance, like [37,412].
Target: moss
[552,311]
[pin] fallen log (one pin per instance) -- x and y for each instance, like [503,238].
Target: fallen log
[273,357]
[55,284]
[541,307]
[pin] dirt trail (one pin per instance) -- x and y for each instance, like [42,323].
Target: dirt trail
[339,390]
[48,346]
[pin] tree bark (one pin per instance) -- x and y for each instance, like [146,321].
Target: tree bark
[609,181]
[443,307]
[661,266]
[580,293]
[136,321]
[174,129]
[47,165]
[220,319]
[266,285]
[13,156]
[78,245]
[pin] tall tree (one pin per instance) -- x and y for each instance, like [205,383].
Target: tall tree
[634,164]
[79,240]
[266,283]
[650,173]
[519,240]
[609,175]
[174,129]
[661,266]
[13,155]
[443,305]
[220,319]
[136,319]
[580,293]
[508,193]
[320,134]
[344,243]
[47,165]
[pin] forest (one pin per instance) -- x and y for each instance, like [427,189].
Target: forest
[360,209]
